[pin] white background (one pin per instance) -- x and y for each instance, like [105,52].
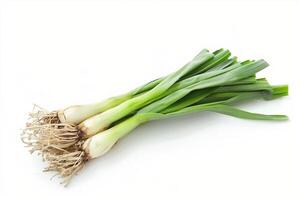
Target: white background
[61,53]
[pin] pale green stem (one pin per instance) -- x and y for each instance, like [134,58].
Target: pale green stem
[78,113]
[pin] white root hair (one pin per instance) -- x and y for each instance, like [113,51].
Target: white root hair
[66,163]
[45,133]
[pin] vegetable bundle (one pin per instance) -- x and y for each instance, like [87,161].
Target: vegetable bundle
[66,139]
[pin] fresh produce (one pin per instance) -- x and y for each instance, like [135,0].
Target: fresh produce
[213,82]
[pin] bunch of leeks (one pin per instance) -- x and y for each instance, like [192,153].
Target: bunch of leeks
[215,82]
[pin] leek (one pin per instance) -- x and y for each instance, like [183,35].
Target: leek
[213,82]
